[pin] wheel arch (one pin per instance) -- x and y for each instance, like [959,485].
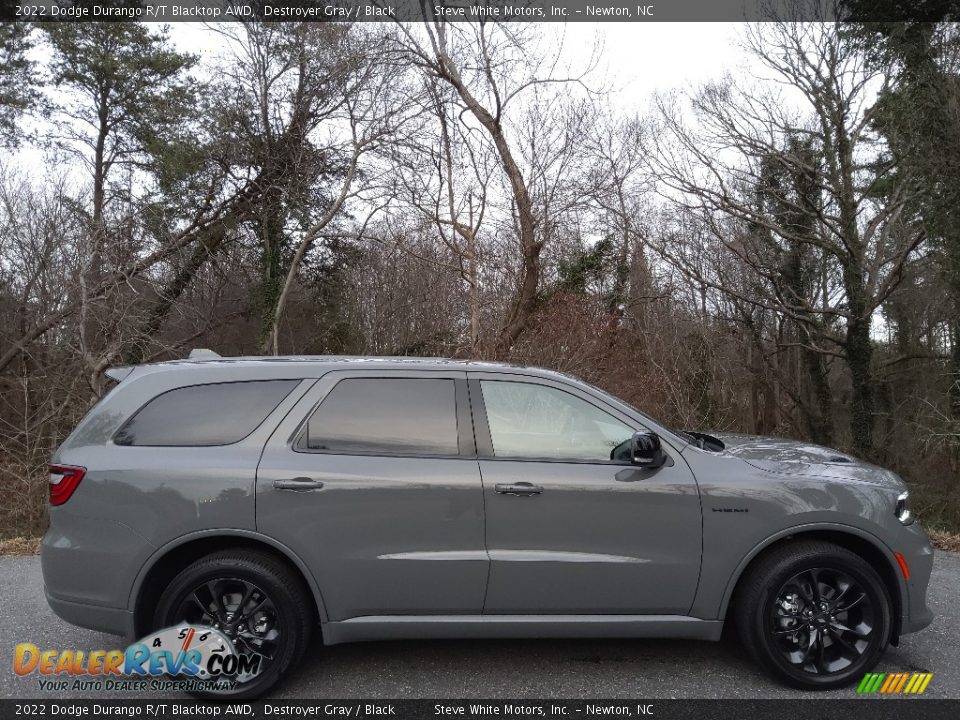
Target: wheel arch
[858,541]
[169,559]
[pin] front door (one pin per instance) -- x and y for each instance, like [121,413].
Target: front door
[570,531]
[373,481]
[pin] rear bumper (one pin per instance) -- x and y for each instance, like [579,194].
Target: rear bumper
[115,621]
[88,569]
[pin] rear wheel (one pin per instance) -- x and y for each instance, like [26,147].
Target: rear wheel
[814,614]
[252,599]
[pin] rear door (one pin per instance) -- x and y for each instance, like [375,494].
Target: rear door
[570,531]
[372,480]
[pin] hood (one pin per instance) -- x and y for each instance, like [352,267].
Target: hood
[792,457]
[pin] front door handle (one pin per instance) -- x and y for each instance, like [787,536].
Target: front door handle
[298,483]
[520,488]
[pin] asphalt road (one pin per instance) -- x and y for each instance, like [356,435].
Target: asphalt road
[506,668]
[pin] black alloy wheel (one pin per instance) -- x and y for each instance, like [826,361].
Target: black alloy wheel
[813,614]
[240,610]
[253,599]
[822,621]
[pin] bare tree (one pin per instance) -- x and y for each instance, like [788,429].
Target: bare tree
[369,109]
[446,176]
[620,187]
[853,214]
[472,58]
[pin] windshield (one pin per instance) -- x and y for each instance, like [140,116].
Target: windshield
[614,400]
[698,439]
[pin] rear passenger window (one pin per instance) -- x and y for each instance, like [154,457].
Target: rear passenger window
[202,415]
[386,416]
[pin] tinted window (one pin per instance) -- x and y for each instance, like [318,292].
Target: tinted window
[537,421]
[386,415]
[199,415]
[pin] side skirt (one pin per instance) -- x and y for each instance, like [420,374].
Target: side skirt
[433,627]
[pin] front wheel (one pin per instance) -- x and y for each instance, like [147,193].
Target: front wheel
[814,614]
[254,601]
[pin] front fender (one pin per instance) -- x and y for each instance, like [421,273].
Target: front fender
[873,540]
[746,510]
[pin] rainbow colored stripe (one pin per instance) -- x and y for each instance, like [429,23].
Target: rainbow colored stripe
[894,683]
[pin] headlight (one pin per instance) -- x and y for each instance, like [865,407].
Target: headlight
[902,509]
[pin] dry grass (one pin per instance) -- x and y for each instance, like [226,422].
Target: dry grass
[20,546]
[944,540]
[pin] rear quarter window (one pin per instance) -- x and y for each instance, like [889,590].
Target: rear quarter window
[386,416]
[204,415]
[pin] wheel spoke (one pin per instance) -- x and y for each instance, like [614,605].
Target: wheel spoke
[248,591]
[252,647]
[853,631]
[805,591]
[262,604]
[821,663]
[840,595]
[195,599]
[213,587]
[815,584]
[809,649]
[852,604]
[838,636]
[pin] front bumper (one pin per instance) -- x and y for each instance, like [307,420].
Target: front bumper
[918,553]
[916,622]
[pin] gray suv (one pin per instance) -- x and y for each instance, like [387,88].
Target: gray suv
[382,498]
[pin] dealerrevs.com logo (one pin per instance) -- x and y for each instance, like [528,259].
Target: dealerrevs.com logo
[191,656]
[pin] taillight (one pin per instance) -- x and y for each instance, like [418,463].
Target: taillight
[63,481]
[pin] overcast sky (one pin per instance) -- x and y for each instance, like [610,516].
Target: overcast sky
[642,58]
[637,60]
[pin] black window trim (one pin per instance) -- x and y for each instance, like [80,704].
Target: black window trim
[482,427]
[297,380]
[466,440]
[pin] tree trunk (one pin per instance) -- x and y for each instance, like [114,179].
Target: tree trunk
[525,301]
[953,263]
[820,416]
[473,282]
[955,370]
[859,354]
[269,230]
[171,292]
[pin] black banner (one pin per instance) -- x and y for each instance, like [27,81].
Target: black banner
[873,708]
[413,10]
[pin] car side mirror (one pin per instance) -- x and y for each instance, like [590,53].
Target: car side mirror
[646,451]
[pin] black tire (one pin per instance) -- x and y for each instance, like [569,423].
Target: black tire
[290,609]
[841,637]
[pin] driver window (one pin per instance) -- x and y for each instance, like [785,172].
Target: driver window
[537,421]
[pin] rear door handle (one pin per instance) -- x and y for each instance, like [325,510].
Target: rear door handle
[298,483]
[520,488]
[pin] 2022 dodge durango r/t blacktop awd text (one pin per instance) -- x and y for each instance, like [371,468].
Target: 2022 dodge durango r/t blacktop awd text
[380,498]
